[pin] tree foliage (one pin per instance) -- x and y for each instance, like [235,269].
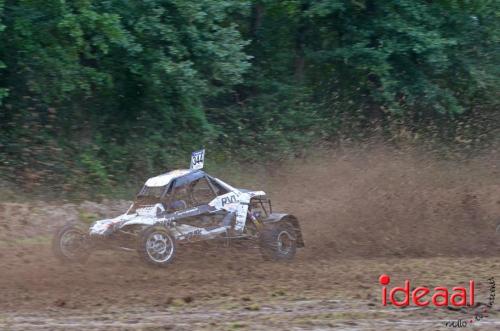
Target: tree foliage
[93,91]
[409,55]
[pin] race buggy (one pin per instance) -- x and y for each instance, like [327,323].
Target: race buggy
[185,206]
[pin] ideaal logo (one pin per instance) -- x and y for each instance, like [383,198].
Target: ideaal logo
[454,299]
[440,297]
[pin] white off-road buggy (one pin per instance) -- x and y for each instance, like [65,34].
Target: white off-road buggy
[185,206]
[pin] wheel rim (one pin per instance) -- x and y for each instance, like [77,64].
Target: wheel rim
[285,242]
[71,243]
[159,247]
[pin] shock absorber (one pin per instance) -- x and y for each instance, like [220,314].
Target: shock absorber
[254,216]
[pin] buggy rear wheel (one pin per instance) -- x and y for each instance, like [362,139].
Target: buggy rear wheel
[278,242]
[156,246]
[70,244]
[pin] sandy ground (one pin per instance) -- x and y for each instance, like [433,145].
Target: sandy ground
[225,289]
[362,214]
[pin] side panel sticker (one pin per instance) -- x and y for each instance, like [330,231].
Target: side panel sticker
[241,217]
[228,201]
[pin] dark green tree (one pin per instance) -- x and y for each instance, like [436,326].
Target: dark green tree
[94,91]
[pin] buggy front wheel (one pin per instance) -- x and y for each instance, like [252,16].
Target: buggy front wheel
[156,246]
[278,242]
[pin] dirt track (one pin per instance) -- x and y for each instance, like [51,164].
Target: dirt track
[362,216]
[228,291]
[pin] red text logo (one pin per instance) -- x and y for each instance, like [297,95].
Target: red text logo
[423,296]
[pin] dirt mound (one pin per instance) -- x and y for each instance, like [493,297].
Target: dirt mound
[31,220]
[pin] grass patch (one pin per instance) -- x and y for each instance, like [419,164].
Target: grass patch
[238,325]
[87,218]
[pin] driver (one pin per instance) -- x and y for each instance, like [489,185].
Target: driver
[177,205]
[178,201]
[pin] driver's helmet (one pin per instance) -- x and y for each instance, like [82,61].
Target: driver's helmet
[178,205]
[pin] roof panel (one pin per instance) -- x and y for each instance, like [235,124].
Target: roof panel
[164,179]
[189,178]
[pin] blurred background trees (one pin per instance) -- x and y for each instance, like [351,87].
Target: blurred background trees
[96,92]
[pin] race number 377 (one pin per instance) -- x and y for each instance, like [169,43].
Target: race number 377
[197,159]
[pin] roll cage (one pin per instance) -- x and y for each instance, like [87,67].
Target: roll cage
[165,194]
